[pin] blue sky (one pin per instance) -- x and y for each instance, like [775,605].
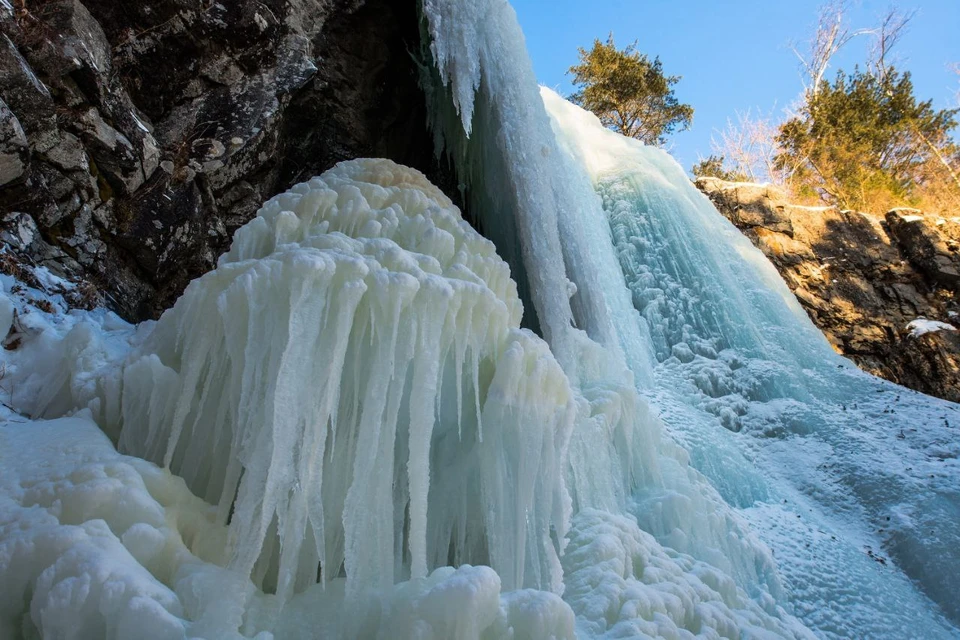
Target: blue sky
[733,55]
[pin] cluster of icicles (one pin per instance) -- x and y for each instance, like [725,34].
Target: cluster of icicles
[352,388]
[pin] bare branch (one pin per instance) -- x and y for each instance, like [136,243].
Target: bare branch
[886,36]
[831,35]
[955,67]
[751,146]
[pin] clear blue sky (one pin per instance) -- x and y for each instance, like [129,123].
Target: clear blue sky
[733,55]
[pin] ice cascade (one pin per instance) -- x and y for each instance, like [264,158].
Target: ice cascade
[343,430]
[352,382]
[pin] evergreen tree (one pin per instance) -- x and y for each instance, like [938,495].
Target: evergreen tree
[864,141]
[713,166]
[629,92]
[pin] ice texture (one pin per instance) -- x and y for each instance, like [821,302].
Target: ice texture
[342,430]
[852,481]
[349,407]
[352,381]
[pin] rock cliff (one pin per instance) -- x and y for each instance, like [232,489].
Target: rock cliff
[136,137]
[863,279]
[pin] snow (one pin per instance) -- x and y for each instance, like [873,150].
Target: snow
[922,326]
[343,430]
[50,281]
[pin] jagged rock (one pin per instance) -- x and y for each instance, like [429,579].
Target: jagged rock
[752,205]
[930,244]
[862,278]
[154,130]
[14,148]
[25,95]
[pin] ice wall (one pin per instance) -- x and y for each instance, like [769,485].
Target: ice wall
[526,196]
[784,427]
[541,210]
[350,396]
[490,118]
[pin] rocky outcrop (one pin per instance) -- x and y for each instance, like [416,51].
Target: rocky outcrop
[863,279]
[135,137]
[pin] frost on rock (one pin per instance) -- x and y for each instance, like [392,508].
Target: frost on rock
[351,388]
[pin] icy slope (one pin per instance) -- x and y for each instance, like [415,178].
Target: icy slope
[853,481]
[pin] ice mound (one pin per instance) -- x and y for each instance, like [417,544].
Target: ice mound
[351,387]
[94,544]
[856,469]
[81,528]
[622,584]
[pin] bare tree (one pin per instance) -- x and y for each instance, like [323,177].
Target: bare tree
[831,35]
[956,69]
[750,144]
[886,36]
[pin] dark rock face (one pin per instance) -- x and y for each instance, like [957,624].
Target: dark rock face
[136,137]
[862,279]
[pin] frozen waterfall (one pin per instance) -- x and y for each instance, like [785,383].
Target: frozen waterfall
[344,431]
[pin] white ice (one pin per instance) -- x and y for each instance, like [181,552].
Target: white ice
[349,395]
[852,481]
[343,431]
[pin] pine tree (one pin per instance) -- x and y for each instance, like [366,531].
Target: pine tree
[864,141]
[629,92]
[714,166]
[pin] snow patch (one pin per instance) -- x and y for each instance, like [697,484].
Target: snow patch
[922,326]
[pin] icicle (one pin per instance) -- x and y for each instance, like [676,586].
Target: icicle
[286,384]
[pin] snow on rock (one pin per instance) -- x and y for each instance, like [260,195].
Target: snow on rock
[920,326]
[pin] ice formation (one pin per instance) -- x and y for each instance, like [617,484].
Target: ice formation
[352,380]
[842,474]
[342,431]
[348,404]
